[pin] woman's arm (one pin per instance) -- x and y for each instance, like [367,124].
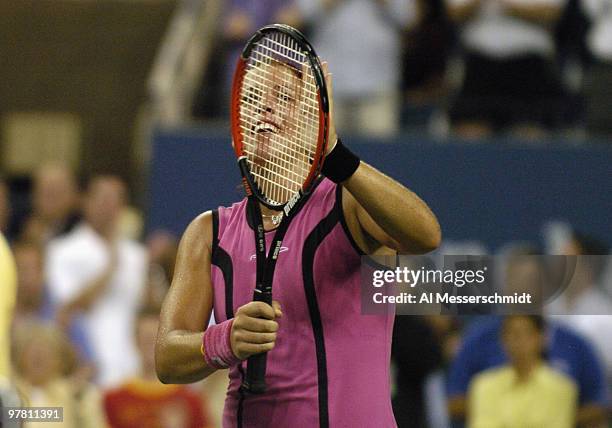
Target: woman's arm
[187,308]
[388,214]
[379,211]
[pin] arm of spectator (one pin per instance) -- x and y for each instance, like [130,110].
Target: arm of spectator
[461,10]
[544,12]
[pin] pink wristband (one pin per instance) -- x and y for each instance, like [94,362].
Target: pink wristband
[216,346]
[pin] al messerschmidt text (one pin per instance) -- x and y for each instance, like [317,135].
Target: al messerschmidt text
[447,298]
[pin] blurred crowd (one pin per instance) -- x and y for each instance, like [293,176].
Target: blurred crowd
[82,313]
[527,69]
[82,328]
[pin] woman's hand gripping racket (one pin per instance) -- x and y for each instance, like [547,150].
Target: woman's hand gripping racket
[280,128]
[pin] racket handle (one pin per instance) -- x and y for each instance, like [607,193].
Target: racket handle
[255,379]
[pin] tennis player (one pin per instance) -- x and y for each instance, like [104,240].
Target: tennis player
[327,364]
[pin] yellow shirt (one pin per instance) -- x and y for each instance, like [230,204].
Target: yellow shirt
[8,290]
[546,400]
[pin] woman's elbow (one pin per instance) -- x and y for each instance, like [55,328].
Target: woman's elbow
[434,238]
[428,240]
[162,365]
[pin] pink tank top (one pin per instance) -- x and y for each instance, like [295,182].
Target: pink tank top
[330,365]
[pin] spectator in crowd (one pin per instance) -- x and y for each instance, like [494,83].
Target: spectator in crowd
[32,299]
[416,352]
[144,401]
[44,361]
[96,274]
[510,83]
[364,39]
[8,286]
[583,294]
[425,52]
[584,306]
[598,82]
[526,392]
[566,350]
[241,19]
[54,204]
[5,206]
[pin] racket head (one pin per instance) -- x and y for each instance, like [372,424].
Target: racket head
[279,115]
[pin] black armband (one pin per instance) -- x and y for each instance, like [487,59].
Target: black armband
[340,163]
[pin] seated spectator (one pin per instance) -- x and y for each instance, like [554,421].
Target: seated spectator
[8,286]
[526,392]
[96,275]
[44,361]
[509,82]
[598,82]
[567,352]
[144,401]
[54,204]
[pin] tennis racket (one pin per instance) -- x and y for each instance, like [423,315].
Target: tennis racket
[280,119]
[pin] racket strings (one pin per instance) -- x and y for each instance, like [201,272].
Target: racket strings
[279,90]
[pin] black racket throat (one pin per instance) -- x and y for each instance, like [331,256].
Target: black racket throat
[252,189]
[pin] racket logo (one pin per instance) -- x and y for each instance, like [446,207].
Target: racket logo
[291,203]
[247,188]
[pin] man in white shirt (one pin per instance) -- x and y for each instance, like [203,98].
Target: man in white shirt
[100,276]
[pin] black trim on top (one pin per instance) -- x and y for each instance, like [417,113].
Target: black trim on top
[215,226]
[223,261]
[343,222]
[314,239]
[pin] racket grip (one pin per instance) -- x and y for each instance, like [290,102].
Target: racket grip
[255,379]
